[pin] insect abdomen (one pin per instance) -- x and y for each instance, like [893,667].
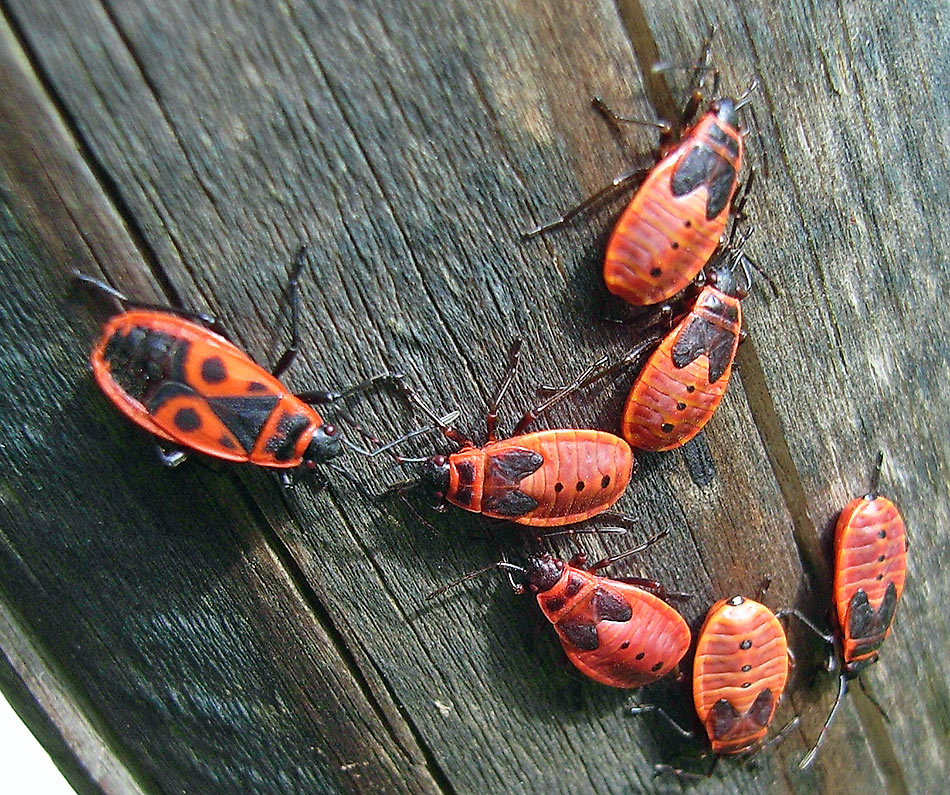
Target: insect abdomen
[870,567]
[669,404]
[739,673]
[581,474]
[612,631]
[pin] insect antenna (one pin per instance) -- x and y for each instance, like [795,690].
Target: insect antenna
[839,699]
[746,97]
[611,559]
[504,565]
[738,257]
[442,423]
[570,532]
[875,475]
[100,285]
[381,447]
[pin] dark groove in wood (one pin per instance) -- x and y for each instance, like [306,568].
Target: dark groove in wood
[107,182]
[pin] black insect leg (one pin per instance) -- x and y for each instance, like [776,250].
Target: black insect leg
[200,317]
[491,418]
[171,457]
[619,182]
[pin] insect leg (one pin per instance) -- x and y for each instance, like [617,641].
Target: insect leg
[615,119]
[201,317]
[786,730]
[491,418]
[618,182]
[322,396]
[810,756]
[873,700]
[643,709]
[287,357]
[603,563]
[791,611]
[594,372]
[171,457]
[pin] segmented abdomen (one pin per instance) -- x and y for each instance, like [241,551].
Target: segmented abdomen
[583,473]
[668,405]
[614,632]
[870,556]
[739,673]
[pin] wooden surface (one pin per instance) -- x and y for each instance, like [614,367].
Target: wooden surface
[194,630]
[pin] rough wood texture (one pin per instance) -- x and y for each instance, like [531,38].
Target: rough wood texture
[218,634]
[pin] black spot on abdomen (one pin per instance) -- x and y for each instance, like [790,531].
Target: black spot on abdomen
[187,420]
[213,370]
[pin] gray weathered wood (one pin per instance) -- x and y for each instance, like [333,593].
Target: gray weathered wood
[228,636]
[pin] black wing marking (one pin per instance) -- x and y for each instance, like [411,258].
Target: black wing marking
[244,416]
[865,622]
[580,634]
[511,466]
[700,167]
[608,606]
[699,337]
[510,503]
[761,710]
[503,472]
[722,718]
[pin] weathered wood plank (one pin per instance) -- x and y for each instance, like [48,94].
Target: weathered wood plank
[409,145]
[853,354]
[48,705]
[176,618]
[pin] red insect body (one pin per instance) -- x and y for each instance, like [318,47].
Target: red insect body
[870,566]
[542,479]
[190,386]
[678,216]
[739,673]
[683,381]
[612,631]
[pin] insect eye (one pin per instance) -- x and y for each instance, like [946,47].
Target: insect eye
[329,430]
[439,460]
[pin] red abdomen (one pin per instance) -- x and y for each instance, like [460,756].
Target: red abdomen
[684,379]
[543,479]
[190,386]
[870,566]
[676,219]
[612,631]
[739,673]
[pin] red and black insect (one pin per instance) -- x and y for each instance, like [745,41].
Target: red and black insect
[615,631]
[870,568]
[677,218]
[683,381]
[547,478]
[679,214]
[739,674]
[196,390]
[685,377]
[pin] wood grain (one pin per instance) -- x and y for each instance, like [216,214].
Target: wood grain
[223,635]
